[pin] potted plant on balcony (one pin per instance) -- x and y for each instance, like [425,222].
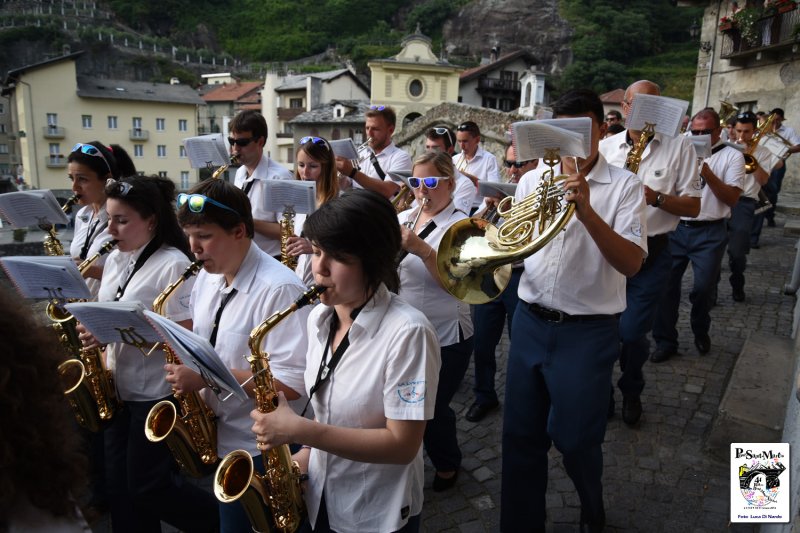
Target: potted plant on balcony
[782,6]
[725,24]
[747,21]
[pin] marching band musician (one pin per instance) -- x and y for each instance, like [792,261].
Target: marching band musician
[89,165]
[668,170]
[700,240]
[380,157]
[565,335]
[239,287]
[151,253]
[743,213]
[422,229]
[314,162]
[442,139]
[371,375]
[473,161]
[248,135]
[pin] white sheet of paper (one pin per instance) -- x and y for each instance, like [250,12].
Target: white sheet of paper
[774,145]
[571,136]
[46,277]
[702,145]
[300,195]
[345,148]
[207,150]
[107,320]
[28,208]
[492,188]
[399,176]
[666,113]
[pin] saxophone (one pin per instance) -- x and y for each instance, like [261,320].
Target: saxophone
[52,246]
[287,230]
[192,437]
[274,501]
[88,385]
[634,158]
[217,173]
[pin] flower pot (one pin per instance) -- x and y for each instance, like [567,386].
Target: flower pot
[726,26]
[786,8]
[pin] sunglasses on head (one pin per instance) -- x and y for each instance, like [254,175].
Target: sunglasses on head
[118,188]
[747,115]
[315,140]
[197,202]
[377,107]
[241,142]
[430,183]
[515,164]
[702,132]
[89,149]
[441,130]
[466,127]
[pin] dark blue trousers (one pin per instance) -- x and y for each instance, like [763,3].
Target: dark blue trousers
[557,388]
[704,247]
[739,227]
[771,189]
[440,439]
[644,293]
[489,319]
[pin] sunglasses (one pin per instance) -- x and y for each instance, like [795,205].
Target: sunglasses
[702,132]
[467,127]
[377,107]
[440,130]
[88,149]
[197,202]
[118,188]
[747,115]
[315,140]
[515,164]
[241,142]
[430,182]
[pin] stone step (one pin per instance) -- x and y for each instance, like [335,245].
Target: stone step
[753,406]
[791,228]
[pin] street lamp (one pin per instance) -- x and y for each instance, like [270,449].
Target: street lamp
[694,29]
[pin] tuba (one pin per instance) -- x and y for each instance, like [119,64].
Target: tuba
[287,230]
[192,436]
[88,385]
[274,501]
[52,246]
[750,162]
[474,256]
[634,157]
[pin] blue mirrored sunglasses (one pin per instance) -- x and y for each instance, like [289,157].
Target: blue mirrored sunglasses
[430,182]
[197,202]
[377,107]
[315,140]
[89,149]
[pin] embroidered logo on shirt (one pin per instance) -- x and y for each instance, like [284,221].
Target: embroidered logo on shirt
[636,229]
[411,391]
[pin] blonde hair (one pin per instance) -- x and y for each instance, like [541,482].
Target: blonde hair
[440,160]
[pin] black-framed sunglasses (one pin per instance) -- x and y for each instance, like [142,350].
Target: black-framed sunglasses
[702,132]
[118,188]
[315,140]
[89,149]
[747,115]
[241,142]
[515,164]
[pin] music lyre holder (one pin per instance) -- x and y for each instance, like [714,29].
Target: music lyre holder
[56,295]
[131,337]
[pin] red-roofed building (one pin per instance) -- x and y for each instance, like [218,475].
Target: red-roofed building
[612,100]
[225,101]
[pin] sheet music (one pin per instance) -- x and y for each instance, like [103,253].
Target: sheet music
[46,277]
[702,145]
[400,176]
[344,148]
[735,146]
[666,113]
[107,320]
[774,145]
[29,208]
[197,353]
[491,188]
[572,136]
[300,195]
[207,150]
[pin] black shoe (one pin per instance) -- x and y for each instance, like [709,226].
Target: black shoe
[631,408]
[703,342]
[738,295]
[478,411]
[441,484]
[660,355]
[771,222]
[612,406]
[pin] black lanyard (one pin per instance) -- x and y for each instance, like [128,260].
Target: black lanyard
[248,186]
[422,234]
[89,240]
[228,298]
[149,250]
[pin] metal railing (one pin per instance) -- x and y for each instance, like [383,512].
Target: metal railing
[772,31]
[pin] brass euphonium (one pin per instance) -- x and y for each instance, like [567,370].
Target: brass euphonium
[726,111]
[474,256]
[274,501]
[192,436]
[52,246]
[287,230]
[634,157]
[750,162]
[88,385]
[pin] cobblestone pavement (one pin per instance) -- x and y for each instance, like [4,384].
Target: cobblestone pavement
[657,477]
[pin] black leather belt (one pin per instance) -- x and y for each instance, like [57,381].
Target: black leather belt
[552,315]
[700,223]
[747,199]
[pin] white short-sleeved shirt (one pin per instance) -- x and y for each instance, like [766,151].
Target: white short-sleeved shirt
[390,370]
[95,229]
[264,287]
[391,159]
[766,160]
[267,169]
[569,273]
[728,165]
[789,134]
[417,286]
[483,166]
[668,166]
[139,378]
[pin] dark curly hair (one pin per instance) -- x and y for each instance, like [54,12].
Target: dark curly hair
[41,458]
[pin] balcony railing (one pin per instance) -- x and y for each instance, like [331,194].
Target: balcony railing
[288,113]
[138,134]
[55,161]
[498,84]
[773,33]
[54,132]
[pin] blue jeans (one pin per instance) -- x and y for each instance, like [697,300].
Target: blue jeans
[739,226]
[644,293]
[557,388]
[488,320]
[704,247]
[440,439]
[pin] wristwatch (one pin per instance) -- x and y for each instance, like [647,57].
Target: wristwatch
[660,198]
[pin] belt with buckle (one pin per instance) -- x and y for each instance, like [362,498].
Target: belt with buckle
[700,223]
[552,315]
